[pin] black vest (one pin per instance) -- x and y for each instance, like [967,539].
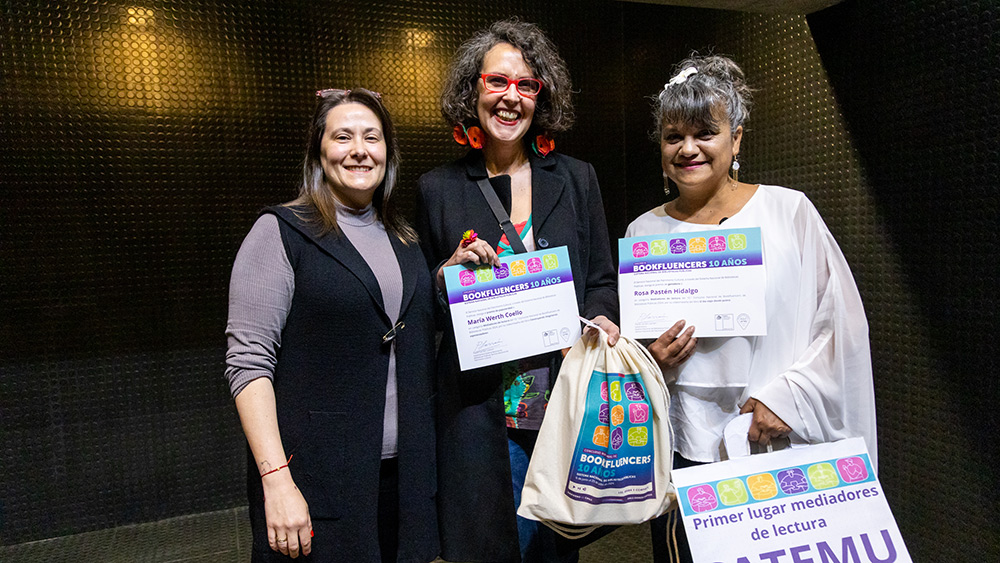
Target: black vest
[330,383]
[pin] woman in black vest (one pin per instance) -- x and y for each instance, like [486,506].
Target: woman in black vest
[507,91]
[327,292]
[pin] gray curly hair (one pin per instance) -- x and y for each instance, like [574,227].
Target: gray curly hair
[692,99]
[553,105]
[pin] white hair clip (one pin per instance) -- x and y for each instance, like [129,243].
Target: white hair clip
[681,76]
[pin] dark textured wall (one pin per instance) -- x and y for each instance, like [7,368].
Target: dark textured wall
[917,86]
[883,116]
[139,142]
[138,147]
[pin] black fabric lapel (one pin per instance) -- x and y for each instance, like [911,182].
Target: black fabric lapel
[546,189]
[410,261]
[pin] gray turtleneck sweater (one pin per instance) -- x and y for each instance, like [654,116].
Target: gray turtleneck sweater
[260,295]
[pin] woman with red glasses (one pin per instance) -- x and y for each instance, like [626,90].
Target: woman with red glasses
[506,93]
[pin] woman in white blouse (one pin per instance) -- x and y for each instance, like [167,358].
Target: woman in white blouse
[809,379]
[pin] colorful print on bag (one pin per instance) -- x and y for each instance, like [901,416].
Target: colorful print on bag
[613,458]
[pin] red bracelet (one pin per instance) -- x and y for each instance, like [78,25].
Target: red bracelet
[275,470]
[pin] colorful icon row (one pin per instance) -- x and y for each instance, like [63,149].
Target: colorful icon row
[638,436]
[696,245]
[638,413]
[515,268]
[763,486]
[633,391]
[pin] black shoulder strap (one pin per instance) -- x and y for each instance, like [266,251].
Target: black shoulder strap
[498,211]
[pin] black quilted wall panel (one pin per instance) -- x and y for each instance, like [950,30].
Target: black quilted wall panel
[139,141]
[917,84]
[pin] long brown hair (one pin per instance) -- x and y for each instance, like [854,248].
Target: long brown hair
[316,203]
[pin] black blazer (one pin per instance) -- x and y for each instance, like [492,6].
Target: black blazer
[329,386]
[474,485]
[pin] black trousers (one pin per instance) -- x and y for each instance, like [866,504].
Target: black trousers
[388,510]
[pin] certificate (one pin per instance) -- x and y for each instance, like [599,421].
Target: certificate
[525,307]
[714,280]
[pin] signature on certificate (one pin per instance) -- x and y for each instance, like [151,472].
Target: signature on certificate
[487,345]
[650,317]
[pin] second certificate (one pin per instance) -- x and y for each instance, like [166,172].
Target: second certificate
[713,280]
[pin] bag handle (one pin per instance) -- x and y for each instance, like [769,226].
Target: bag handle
[502,218]
[569,531]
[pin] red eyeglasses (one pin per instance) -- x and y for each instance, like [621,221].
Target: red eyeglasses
[499,83]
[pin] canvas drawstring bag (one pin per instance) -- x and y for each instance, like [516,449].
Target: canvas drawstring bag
[604,450]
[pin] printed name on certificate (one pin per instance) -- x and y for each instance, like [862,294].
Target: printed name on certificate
[714,280]
[524,307]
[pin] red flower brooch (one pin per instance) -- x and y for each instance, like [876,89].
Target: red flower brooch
[473,136]
[543,145]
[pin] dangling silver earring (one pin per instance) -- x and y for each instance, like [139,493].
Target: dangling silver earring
[666,185]
[736,170]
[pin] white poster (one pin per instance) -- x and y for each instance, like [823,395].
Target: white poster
[815,504]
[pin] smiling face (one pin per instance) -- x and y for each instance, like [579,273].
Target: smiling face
[699,155]
[353,153]
[506,116]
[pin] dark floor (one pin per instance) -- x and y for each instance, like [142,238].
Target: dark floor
[224,537]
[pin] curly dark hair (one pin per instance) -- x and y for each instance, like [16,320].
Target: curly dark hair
[554,104]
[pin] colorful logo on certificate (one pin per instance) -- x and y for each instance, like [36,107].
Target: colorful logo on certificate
[763,487]
[792,481]
[659,247]
[484,274]
[737,241]
[466,277]
[640,250]
[732,492]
